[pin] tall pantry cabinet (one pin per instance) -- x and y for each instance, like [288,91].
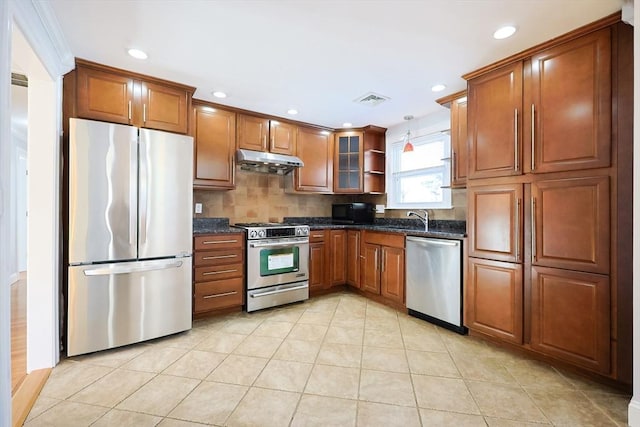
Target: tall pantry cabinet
[549,131]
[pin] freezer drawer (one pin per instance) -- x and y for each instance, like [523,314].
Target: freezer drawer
[434,286]
[110,305]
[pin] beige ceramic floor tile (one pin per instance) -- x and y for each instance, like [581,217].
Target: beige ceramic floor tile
[171,422]
[241,370]
[568,407]
[434,418]
[287,314]
[382,415]
[112,388]
[424,342]
[536,374]
[340,355]
[482,368]
[284,375]
[308,332]
[378,338]
[386,387]
[445,394]
[322,411]
[348,321]
[195,364]
[265,408]
[72,379]
[42,404]
[379,310]
[273,329]
[412,325]
[613,404]
[159,396]
[68,414]
[501,422]
[186,340]
[386,324]
[340,335]
[257,346]
[155,360]
[241,325]
[505,401]
[298,350]
[209,403]
[113,358]
[430,363]
[117,417]
[384,359]
[221,342]
[316,317]
[334,381]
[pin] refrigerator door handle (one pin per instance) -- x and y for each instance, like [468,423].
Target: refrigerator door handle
[133,192]
[143,184]
[125,269]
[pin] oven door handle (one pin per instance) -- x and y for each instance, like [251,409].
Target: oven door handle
[288,244]
[278,291]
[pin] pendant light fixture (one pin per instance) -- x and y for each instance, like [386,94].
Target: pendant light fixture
[408,146]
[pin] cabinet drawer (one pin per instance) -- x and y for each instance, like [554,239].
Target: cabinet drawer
[218,272]
[235,240]
[395,240]
[218,294]
[316,236]
[222,256]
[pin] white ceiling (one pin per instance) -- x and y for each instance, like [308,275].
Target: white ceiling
[316,55]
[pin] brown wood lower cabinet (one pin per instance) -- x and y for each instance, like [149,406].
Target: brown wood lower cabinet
[570,316]
[382,265]
[494,299]
[317,261]
[218,272]
[392,274]
[353,258]
[338,257]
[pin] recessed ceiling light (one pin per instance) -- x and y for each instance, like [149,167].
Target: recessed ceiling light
[438,88]
[347,125]
[292,111]
[137,53]
[219,94]
[504,32]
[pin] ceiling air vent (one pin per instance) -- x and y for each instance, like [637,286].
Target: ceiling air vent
[371,99]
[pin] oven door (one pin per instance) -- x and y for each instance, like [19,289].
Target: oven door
[277,261]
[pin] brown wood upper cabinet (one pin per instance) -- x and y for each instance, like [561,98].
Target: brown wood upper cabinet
[260,134]
[359,164]
[116,96]
[457,102]
[315,149]
[214,132]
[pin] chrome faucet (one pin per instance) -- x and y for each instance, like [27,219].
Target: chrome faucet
[424,218]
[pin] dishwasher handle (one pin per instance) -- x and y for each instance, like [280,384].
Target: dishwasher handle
[437,242]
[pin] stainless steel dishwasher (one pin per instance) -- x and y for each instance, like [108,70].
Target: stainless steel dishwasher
[434,281]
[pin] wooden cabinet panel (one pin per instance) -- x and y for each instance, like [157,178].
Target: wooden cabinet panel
[164,108]
[315,149]
[348,163]
[570,316]
[317,266]
[569,103]
[104,96]
[214,132]
[252,132]
[459,150]
[571,227]
[495,222]
[353,258]
[494,117]
[216,241]
[374,145]
[216,295]
[217,257]
[338,257]
[392,274]
[494,299]
[282,138]
[370,272]
[218,272]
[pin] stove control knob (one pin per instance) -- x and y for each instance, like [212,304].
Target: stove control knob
[303,231]
[262,233]
[253,234]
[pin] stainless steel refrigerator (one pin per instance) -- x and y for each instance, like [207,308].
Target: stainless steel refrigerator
[130,233]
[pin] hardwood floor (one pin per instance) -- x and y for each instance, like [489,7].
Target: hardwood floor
[18,332]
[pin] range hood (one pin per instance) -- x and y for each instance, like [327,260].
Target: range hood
[259,161]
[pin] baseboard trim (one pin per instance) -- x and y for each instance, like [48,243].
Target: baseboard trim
[23,399]
[634,413]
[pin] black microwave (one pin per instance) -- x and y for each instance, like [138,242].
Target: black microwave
[353,213]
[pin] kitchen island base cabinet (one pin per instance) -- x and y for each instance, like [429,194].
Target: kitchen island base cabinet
[494,299]
[570,316]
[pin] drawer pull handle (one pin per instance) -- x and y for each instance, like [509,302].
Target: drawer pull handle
[317,235]
[212,273]
[216,242]
[225,294]
[219,257]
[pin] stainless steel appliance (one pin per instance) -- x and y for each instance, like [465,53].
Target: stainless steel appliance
[129,248]
[434,285]
[277,264]
[353,213]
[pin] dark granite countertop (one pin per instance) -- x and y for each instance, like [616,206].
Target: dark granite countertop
[445,229]
[213,226]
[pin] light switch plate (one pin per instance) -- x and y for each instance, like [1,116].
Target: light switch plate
[198,208]
[379,208]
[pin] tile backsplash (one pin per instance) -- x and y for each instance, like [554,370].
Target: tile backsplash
[260,197]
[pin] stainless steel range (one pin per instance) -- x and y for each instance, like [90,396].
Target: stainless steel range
[277,264]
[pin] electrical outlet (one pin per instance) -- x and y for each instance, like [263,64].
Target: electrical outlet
[379,208]
[198,208]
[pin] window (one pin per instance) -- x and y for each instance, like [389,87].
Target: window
[417,178]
